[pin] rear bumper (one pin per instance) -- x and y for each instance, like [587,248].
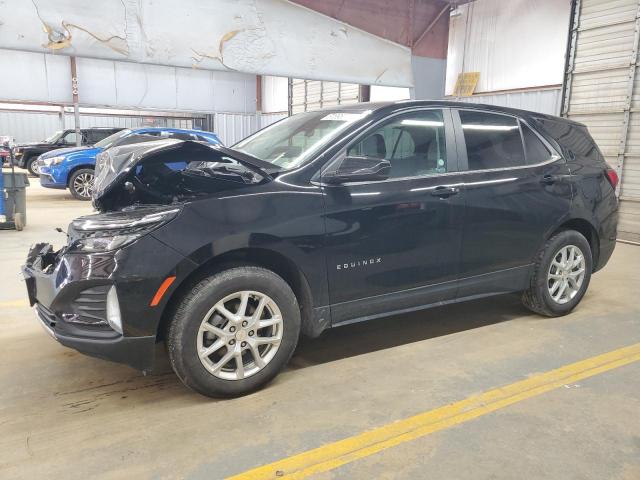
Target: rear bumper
[606,250]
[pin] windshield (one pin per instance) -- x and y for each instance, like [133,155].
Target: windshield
[107,142]
[291,142]
[53,138]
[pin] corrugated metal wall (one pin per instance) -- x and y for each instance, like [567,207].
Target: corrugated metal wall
[513,44]
[546,100]
[35,126]
[602,92]
[309,95]
[233,127]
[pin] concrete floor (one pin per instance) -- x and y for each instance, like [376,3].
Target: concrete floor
[65,415]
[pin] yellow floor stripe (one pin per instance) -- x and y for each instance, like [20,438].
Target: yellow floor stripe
[14,303]
[334,455]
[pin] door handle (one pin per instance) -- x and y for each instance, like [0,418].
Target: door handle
[551,179]
[445,192]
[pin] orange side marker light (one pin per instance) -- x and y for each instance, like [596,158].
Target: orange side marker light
[164,286]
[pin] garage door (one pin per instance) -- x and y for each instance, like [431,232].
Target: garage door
[602,92]
[306,95]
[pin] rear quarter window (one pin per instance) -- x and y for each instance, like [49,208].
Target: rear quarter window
[574,138]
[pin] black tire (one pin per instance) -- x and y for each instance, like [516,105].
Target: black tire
[30,164]
[182,335]
[537,297]
[78,191]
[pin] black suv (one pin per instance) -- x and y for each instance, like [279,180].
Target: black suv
[323,219]
[26,154]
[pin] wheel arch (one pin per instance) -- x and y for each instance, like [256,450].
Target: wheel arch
[586,228]
[75,168]
[249,256]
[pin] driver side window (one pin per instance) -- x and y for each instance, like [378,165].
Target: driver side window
[69,138]
[414,144]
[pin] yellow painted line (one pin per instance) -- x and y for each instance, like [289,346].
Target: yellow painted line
[334,455]
[14,303]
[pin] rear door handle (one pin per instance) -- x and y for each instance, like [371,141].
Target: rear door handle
[445,192]
[551,179]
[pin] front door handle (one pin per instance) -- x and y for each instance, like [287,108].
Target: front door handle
[445,192]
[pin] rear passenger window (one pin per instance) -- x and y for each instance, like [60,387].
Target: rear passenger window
[536,151]
[493,140]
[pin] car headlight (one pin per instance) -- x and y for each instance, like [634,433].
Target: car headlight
[110,231]
[53,160]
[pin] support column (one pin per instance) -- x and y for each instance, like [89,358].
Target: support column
[429,57]
[76,106]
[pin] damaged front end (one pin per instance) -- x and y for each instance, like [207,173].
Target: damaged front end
[168,172]
[97,294]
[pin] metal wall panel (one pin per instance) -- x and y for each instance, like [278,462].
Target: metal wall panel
[602,91]
[26,126]
[542,100]
[233,127]
[513,44]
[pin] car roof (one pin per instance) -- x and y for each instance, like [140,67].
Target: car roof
[387,107]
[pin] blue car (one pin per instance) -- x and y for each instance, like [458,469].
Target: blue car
[73,168]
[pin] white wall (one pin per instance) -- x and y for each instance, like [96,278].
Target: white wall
[389,94]
[275,94]
[39,77]
[513,44]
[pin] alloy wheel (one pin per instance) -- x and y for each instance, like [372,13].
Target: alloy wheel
[566,274]
[83,184]
[240,335]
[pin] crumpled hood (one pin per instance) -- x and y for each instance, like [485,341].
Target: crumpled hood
[64,151]
[114,164]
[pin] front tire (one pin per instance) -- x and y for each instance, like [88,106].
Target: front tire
[561,276]
[234,332]
[81,183]
[30,165]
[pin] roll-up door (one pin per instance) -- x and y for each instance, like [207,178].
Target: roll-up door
[307,95]
[602,91]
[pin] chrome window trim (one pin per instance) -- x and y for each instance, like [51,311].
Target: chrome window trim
[554,158]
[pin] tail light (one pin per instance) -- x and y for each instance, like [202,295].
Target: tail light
[612,176]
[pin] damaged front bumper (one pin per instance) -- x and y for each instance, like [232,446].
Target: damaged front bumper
[69,293]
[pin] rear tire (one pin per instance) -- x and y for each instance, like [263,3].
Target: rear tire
[561,275]
[211,318]
[81,183]
[30,165]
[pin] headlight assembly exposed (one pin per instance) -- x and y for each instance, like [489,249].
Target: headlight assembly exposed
[110,231]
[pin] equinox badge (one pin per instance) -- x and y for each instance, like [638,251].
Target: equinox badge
[359,263]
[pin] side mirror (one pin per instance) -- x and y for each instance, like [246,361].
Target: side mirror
[359,169]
